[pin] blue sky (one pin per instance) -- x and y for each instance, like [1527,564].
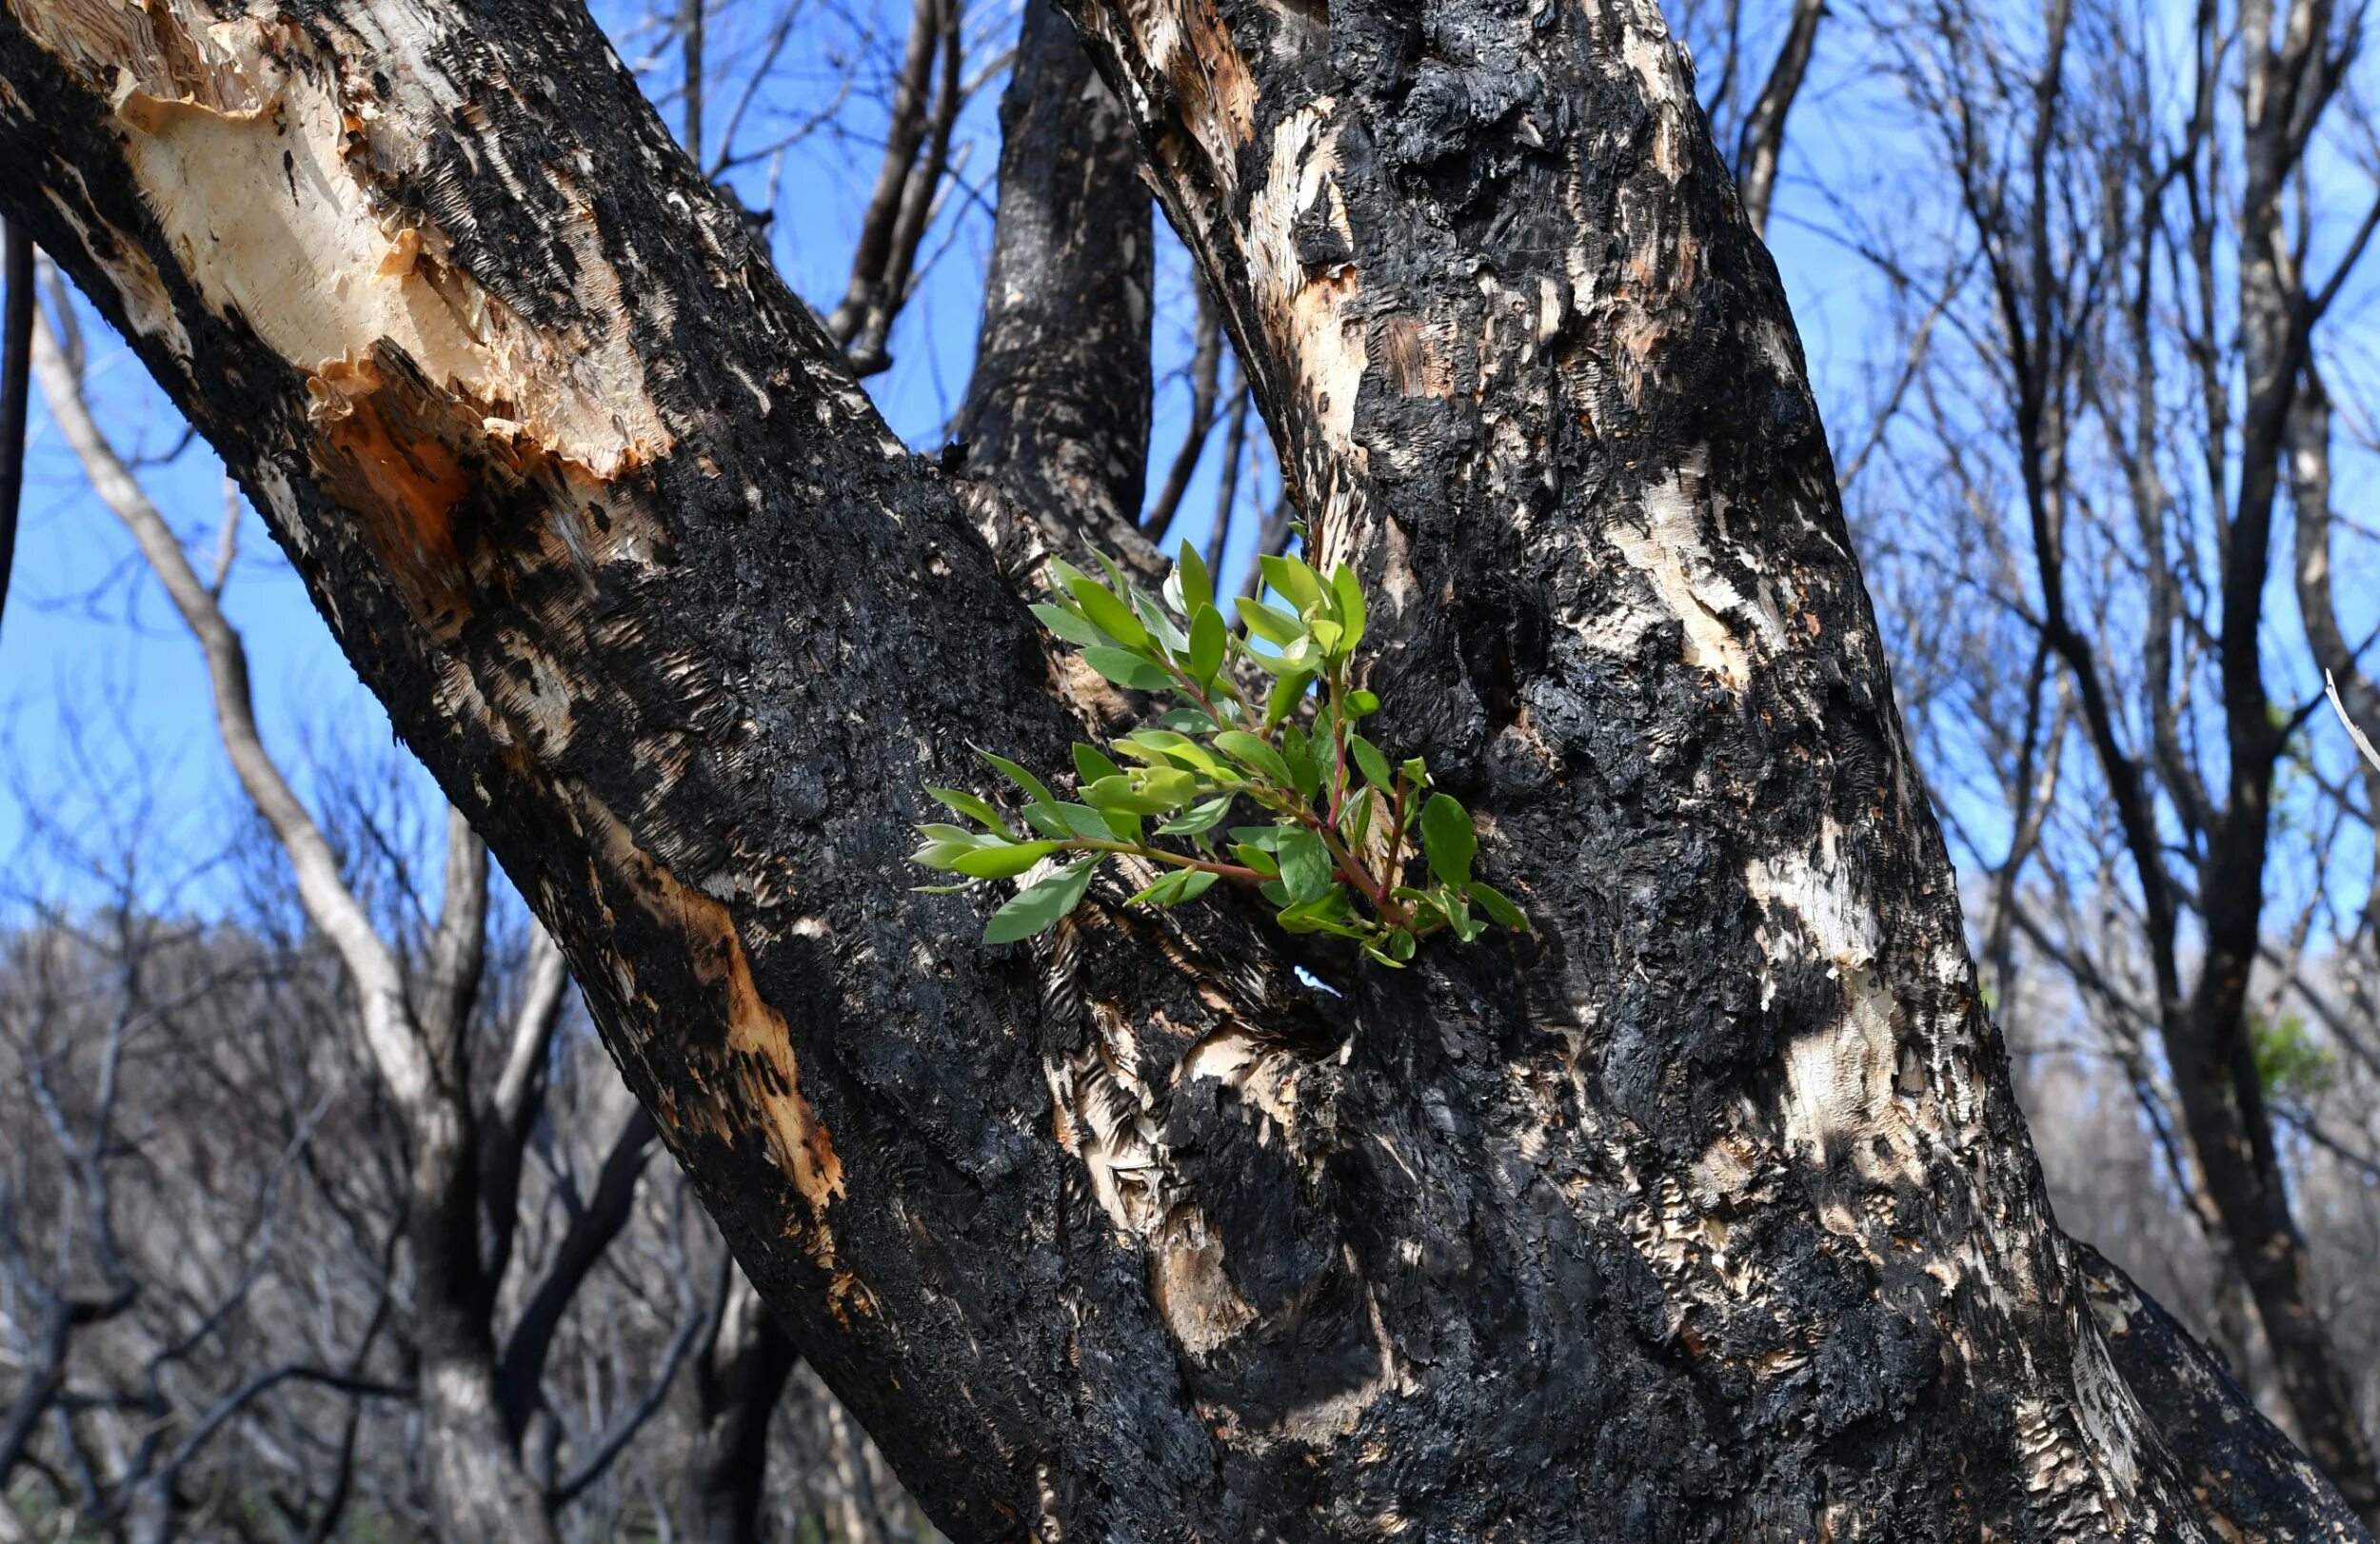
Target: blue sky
[102,693]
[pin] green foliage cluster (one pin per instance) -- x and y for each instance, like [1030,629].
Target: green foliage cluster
[2289,1059]
[1341,828]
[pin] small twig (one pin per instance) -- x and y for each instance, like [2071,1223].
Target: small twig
[16,366]
[2331,689]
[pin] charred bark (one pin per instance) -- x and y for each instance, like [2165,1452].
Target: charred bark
[1058,408]
[1705,1215]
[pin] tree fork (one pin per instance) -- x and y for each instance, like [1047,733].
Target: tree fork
[1708,1217]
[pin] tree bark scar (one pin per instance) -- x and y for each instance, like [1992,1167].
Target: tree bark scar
[379,458]
[272,174]
[464,507]
[1211,81]
[752,1073]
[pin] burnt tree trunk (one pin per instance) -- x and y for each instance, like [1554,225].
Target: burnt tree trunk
[1705,1214]
[738,1381]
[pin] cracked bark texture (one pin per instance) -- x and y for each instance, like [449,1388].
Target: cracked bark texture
[1705,1214]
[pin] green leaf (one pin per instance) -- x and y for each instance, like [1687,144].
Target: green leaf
[1287,693]
[1200,820]
[971,806]
[1127,669]
[1116,578]
[1208,637]
[1174,888]
[1361,705]
[1401,943]
[1171,784]
[1304,774]
[1372,764]
[958,834]
[1036,909]
[1418,772]
[1003,863]
[1118,794]
[1306,865]
[942,856]
[1111,615]
[1324,914]
[1198,585]
[1502,912]
[1295,580]
[1161,893]
[1161,627]
[1257,859]
[1275,628]
[1188,721]
[1199,760]
[1073,630]
[1447,837]
[1090,764]
[1350,596]
[1031,784]
[1080,821]
[1297,660]
[1253,753]
[1356,820]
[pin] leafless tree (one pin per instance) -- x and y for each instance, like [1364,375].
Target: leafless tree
[2135,377]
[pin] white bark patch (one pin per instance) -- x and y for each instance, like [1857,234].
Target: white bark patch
[1192,1293]
[258,171]
[1307,311]
[1187,45]
[140,289]
[1650,55]
[1101,1113]
[1670,553]
[1262,1078]
[1840,1077]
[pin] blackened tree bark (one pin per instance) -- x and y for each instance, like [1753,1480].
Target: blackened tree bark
[1056,410]
[1706,1214]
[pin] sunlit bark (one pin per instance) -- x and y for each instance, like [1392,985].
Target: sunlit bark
[1704,1214]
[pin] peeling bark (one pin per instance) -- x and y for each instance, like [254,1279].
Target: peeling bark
[1707,1215]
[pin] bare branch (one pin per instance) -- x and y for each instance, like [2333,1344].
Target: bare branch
[331,906]
[1761,145]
